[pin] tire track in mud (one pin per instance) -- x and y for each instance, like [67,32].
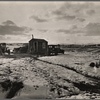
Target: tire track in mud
[56,87]
[80,85]
[94,78]
[55,82]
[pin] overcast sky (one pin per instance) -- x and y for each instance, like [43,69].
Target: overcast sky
[57,22]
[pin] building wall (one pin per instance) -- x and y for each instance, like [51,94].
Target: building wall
[38,47]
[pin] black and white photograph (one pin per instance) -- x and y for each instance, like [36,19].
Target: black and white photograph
[49,50]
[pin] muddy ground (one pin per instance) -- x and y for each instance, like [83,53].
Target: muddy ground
[62,76]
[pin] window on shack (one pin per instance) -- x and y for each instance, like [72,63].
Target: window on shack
[50,46]
[43,45]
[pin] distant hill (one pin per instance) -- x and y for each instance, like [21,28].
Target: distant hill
[80,45]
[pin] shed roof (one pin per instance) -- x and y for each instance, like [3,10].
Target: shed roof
[35,39]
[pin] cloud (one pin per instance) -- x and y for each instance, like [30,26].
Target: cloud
[64,31]
[10,28]
[37,19]
[73,30]
[61,15]
[42,30]
[81,19]
[9,23]
[66,17]
[90,12]
[74,27]
[74,11]
[70,31]
[92,29]
[2,37]
[58,12]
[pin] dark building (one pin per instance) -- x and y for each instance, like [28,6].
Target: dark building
[38,46]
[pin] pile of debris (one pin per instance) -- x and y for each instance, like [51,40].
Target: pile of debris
[95,64]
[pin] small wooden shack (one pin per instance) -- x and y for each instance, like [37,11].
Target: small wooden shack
[38,46]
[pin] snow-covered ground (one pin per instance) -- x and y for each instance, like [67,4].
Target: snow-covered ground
[76,60]
[62,76]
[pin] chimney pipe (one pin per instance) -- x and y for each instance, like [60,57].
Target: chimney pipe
[32,36]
